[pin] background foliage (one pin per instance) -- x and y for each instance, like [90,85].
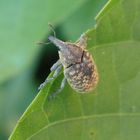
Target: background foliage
[112,112]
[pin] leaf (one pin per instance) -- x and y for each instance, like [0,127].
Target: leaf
[112,110]
[23,24]
[15,96]
[82,19]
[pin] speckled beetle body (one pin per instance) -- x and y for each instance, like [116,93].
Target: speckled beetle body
[79,67]
[82,76]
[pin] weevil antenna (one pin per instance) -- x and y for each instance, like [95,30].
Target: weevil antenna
[43,43]
[52,28]
[54,34]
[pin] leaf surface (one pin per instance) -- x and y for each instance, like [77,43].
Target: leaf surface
[112,111]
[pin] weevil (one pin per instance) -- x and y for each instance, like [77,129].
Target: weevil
[80,70]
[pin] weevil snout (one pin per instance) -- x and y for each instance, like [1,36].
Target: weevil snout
[60,44]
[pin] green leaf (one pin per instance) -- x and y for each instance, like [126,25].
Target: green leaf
[23,24]
[112,110]
[82,19]
[15,96]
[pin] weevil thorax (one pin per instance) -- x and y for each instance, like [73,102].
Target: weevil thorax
[69,53]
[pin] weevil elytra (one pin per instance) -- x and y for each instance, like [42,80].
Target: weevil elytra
[79,67]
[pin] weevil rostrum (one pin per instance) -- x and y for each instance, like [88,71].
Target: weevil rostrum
[80,70]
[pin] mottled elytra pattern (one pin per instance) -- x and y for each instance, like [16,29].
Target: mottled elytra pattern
[82,76]
[79,67]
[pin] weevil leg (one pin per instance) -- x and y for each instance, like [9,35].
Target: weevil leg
[82,41]
[55,65]
[56,70]
[59,90]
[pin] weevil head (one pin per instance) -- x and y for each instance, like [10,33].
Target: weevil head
[69,53]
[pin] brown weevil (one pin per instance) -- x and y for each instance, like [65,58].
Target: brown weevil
[79,67]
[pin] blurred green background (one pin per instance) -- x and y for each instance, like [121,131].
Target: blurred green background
[23,63]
